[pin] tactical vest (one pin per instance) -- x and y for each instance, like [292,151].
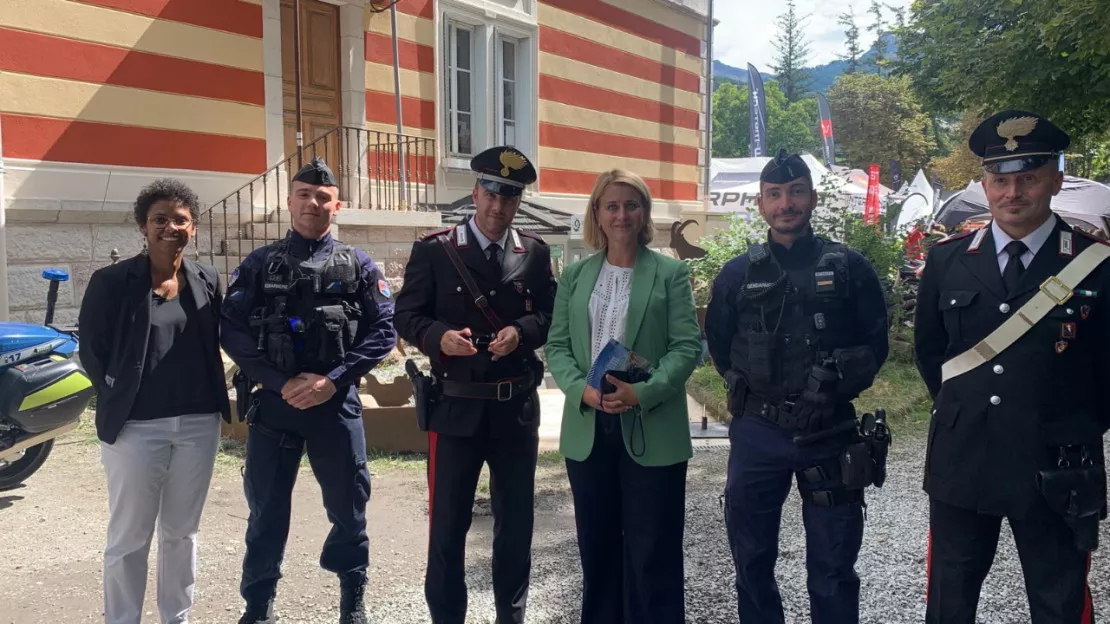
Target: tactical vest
[310,309]
[789,319]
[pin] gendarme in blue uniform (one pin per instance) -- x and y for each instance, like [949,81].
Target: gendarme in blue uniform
[339,288]
[797,333]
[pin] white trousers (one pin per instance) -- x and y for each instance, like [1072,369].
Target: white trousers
[157,470]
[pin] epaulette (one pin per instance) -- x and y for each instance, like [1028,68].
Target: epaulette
[533,236]
[435,233]
[1089,236]
[955,237]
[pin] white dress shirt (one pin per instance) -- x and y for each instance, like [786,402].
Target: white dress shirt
[485,242]
[1033,242]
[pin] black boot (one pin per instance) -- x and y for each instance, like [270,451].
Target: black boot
[352,610]
[259,613]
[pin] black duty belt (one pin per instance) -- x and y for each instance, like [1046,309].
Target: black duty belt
[503,390]
[780,415]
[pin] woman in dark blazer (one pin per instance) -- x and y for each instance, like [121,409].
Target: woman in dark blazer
[627,449]
[150,344]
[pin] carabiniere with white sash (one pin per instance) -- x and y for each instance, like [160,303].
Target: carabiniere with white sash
[1018,377]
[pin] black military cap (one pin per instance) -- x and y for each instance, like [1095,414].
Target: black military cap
[316,172]
[1015,140]
[503,170]
[785,168]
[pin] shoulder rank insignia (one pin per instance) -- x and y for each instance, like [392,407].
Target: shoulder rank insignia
[953,237]
[532,235]
[435,233]
[1090,236]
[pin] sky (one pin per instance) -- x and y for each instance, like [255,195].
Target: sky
[746,29]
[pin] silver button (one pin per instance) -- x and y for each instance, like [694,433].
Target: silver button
[998,370]
[493,293]
[458,289]
[1070,311]
[953,302]
[996,400]
[1004,308]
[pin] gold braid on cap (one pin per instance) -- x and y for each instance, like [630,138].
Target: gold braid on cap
[511,160]
[1016,127]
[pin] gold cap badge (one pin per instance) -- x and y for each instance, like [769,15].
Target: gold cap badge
[1016,127]
[511,160]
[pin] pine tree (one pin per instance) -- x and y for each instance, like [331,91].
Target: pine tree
[792,54]
[877,27]
[851,34]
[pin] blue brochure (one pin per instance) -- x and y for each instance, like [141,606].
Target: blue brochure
[615,357]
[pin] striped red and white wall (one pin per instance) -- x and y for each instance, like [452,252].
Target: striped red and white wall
[139,83]
[619,85]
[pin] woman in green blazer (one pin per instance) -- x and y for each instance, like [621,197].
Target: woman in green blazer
[626,450]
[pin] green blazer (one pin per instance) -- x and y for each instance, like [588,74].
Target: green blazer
[662,326]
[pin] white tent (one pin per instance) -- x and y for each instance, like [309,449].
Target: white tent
[917,200]
[734,184]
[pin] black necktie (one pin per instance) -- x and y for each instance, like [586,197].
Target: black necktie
[494,261]
[1011,275]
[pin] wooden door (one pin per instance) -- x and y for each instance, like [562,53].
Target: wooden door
[320,97]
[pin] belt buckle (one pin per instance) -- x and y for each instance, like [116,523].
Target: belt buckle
[1054,283]
[504,384]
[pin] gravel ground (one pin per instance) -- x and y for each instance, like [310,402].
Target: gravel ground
[53,530]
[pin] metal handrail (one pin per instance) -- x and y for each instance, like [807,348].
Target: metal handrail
[368,165]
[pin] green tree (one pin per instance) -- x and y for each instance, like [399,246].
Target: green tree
[960,166]
[1047,56]
[877,27]
[878,119]
[791,54]
[731,123]
[851,41]
[790,126]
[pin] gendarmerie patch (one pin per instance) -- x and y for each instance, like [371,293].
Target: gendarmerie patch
[518,247]
[461,237]
[826,282]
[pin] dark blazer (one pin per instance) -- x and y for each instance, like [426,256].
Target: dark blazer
[994,427]
[434,299]
[114,326]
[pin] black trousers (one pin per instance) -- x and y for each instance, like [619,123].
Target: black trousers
[630,520]
[962,544]
[454,464]
[336,448]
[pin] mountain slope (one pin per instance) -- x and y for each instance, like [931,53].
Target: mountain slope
[821,77]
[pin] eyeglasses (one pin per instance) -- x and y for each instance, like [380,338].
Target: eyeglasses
[161,221]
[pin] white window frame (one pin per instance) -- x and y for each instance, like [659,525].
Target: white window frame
[451,93]
[499,76]
[491,22]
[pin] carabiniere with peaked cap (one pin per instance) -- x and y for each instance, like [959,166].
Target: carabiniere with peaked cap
[1015,140]
[1012,340]
[503,170]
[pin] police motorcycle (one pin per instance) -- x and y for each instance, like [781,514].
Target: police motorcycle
[43,389]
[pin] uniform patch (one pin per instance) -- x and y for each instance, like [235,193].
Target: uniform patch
[1084,311]
[1061,346]
[1067,248]
[519,286]
[1067,330]
[1079,292]
[234,278]
[383,288]
[977,241]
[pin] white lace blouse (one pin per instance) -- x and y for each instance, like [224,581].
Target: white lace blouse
[609,306]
